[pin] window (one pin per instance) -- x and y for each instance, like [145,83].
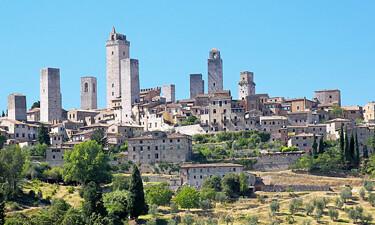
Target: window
[112,52]
[178,147]
[156,156]
[53,156]
[133,149]
[214,111]
[163,147]
[148,156]
[86,87]
[194,170]
[170,140]
[234,169]
[148,147]
[208,170]
[123,53]
[156,147]
[201,170]
[113,93]
[141,148]
[133,156]
[219,169]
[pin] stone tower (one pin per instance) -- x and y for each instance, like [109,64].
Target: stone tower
[88,93]
[50,95]
[196,85]
[17,107]
[215,72]
[117,49]
[246,86]
[169,92]
[129,88]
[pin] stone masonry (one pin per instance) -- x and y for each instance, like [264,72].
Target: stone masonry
[169,92]
[50,95]
[246,85]
[328,97]
[215,72]
[129,87]
[117,49]
[17,107]
[196,85]
[88,93]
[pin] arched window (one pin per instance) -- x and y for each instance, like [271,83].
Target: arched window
[86,87]
[93,87]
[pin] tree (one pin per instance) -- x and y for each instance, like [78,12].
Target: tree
[362,193]
[12,161]
[333,214]
[43,136]
[99,137]
[87,163]
[314,148]
[372,143]
[346,194]
[116,204]
[36,105]
[356,151]
[136,199]
[3,114]
[174,208]
[365,152]
[347,148]
[367,184]
[213,182]
[2,209]
[244,184]
[159,195]
[188,219]
[342,142]
[274,206]
[351,148]
[73,216]
[3,139]
[309,208]
[187,198]
[93,200]
[230,184]
[321,145]
[226,218]
[337,111]
[254,140]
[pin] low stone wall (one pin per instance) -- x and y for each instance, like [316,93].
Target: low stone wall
[279,162]
[279,188]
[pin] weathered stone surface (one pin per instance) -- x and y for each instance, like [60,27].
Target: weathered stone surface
[50,95]
[88,93]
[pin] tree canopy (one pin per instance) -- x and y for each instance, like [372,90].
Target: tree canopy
[188,198]
[43,135]
[136,200]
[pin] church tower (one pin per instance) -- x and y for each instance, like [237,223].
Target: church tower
[117,49]
[215,72]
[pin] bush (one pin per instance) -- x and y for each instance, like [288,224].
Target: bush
[362,193]
[346,194]
[70,189]
[289,219]
[367,184]
[309,208]
[205,204]
[188,219]
[274,206]
[333,214]
[174,208]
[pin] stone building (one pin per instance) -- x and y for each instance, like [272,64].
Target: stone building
[84,116]
[303,141]
[50,95]
[169,92]
[353,112]
[54,155]
[246,85]
[215,72]
[88,93]
[334,126]
[369,112]
[196,85]
[20,130]
[194,175]
[17,107]
[117,49]
[146,95]
[300,104]
[157,146]
[328,97]
[33,115]
[130,91]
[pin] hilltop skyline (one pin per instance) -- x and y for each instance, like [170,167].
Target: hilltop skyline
[291,53]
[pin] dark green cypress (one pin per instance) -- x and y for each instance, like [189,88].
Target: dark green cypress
[136,198]
[356,150]
[342,143]
[351,146]
[321,145]
[314,147]
[43,135]
[346,147]
[2,209]
[365,152]
[373,142]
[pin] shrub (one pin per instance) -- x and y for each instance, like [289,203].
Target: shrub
[367,184]
[188,219]
[205,204]
[289,219]
[70,189]
[252,220]
[362,193]
[260,198]
[289,190]
[174,208]
[346,194]
[333,214]
[309,208]
[274,206]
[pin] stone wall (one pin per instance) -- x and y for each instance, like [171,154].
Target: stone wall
[196,85]
[275,162]
[279,188]
[50,95]
[169,92]
[88,93]
[215,72]
[17,107]
[130,91]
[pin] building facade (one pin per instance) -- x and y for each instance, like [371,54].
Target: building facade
[196,85]
[215,72]
[50,95]
[88,93]
[169,92]
[17,107]
[246,86]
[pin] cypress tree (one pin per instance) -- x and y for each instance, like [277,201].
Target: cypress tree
[365,152]
[342,143]
[321,145]
[351,146]
[346,147]
[136,198]
[3,114]
[43,136]
[356,150]
[373,142]
[314,147]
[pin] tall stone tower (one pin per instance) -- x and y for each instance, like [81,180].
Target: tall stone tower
[215,72]
[17,107]
[88,93]
[196,85]
[50,95]
[246,86]
[117,49]
[129,88]
[169,92]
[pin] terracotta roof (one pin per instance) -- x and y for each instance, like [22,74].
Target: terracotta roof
[306,135]
[214,50]
[211,165]
[351,107]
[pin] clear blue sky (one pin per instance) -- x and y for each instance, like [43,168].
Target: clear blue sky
[293,47]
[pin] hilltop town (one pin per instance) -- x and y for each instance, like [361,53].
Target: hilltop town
[184,143]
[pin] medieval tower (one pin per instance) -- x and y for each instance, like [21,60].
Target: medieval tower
[169,92]
[117,49]
[196,85]
[88,93]
[130,90]
[246,86]
[215,72]
[17,107]
[50,95]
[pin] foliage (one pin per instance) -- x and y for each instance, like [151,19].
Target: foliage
[190,121]
[346,194]
[2,209]
[230,184]
[87,163]
[244,184]
[33,170]
[188,219]
[120,183]
[333,214]
[213,182]
[38,150]
[136,200]
[174,208]
[43,135]
[153,210]
[274,206]
[188,198]
[99,137]
[204,204]
[337,111]
[309,208]
[116,204]
[208,193]
[290,149]
[159,195]
[2,140]
[314,148]
[36,105]
[367,184]
[12,160]
[124,146]
[93,200]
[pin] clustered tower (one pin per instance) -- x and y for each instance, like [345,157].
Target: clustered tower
[215,72]
[88,93]
[50,95]
[246,86]
[169,92]
[17,107]
[196,85]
